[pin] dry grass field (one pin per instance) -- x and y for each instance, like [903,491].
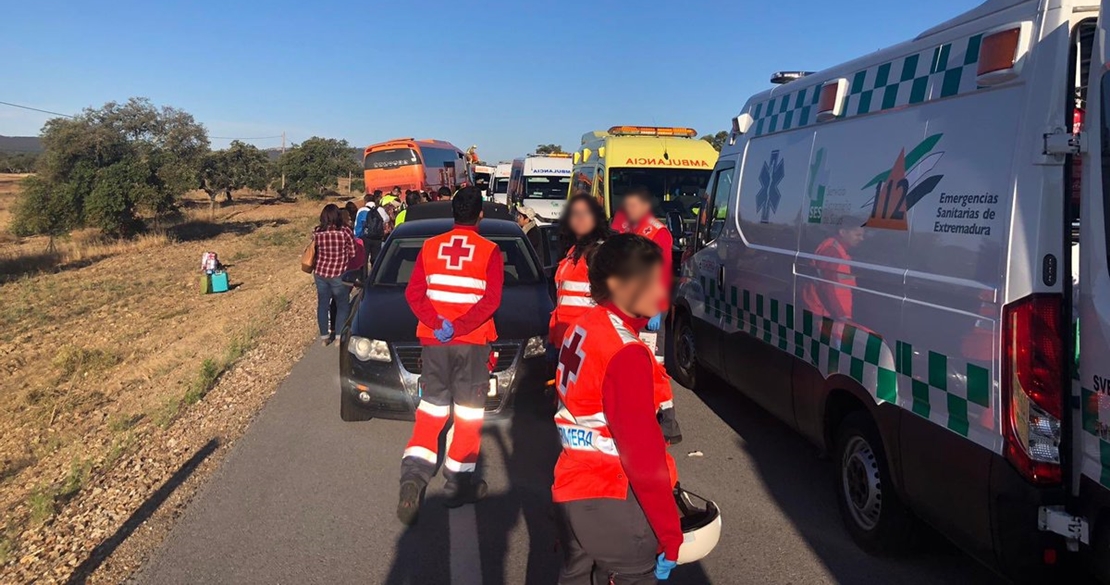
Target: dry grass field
[107,345]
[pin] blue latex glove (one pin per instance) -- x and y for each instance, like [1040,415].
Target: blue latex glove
[663,567]
[445,332]
[655,322]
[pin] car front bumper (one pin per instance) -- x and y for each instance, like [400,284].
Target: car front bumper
[390,390]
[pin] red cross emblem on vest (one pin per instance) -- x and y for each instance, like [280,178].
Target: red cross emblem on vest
[570,359]
[456,252]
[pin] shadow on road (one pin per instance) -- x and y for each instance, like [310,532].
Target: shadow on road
[152,503]
[801,485]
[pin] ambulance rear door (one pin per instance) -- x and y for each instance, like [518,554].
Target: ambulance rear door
[1091,432]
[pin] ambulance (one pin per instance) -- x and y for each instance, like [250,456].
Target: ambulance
[671,162]
[483,175]
[541,182]
[499,186]
[895,258]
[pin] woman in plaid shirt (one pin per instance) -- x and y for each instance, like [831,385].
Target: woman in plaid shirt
[335,246]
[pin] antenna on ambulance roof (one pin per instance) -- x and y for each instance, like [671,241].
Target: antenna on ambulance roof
[781,77]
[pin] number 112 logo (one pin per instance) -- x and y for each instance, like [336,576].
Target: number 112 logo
[900,188]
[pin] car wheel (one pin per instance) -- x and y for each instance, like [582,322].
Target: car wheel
[872,512]
[349,408]
[683,357]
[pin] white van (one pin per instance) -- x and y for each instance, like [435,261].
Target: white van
[483,176]
[499,187]
[885,262]
[541,182]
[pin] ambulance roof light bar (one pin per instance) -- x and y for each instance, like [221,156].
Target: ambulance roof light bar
[551,155]
[781,77]
[652,131]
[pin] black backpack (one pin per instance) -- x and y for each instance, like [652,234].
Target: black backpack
[373,228]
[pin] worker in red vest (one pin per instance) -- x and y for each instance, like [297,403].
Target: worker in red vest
[637,216]
[613,486]
[581,230]
[454,291]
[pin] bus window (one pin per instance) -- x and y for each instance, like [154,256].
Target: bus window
[391,158]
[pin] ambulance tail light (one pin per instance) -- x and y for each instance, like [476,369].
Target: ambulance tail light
[1032,386]
[1001,52]
[830,104]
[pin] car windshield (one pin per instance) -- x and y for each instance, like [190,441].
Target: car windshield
[546,187]
[399,258]
[391,158]
[673,189]
[501,185]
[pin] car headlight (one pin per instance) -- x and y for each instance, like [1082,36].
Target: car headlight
[369,349]
[535,347]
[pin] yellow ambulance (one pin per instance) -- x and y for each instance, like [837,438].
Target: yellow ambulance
[671,162]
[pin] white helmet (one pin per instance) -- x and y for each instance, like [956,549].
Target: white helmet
[701,526]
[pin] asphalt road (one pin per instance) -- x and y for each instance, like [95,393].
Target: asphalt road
[307,498]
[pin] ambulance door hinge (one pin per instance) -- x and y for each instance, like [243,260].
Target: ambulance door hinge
[1056,520]
[1059,143]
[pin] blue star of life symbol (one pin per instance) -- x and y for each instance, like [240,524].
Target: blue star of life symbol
[767,199]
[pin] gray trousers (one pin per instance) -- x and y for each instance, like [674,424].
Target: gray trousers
[454,381]
[606,541]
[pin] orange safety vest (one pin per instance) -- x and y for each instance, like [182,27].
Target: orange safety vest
[572,291]
[836,271]
[455,266]
[589,465]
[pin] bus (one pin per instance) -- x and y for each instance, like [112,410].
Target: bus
[671,162]
[419,165]
[541,182]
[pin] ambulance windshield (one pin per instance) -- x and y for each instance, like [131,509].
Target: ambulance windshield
[391,158]
[481,180]
[546,187]
[674,189]
[501,185]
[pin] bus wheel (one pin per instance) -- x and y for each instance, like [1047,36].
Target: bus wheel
[684,354]
[871,510]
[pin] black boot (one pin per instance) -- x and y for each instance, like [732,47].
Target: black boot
[464,489]
[408,505]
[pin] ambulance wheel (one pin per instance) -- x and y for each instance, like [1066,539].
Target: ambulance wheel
[683,357]
[871,510]
[349,408]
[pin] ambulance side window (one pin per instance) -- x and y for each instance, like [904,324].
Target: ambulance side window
[583,180]
[721,197]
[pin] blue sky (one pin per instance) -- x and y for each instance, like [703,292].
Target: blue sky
[502,75]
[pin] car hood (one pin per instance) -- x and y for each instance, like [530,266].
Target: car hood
[385,314]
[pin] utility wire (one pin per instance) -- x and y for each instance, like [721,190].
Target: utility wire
[35,109]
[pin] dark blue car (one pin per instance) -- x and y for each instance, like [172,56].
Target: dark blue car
[380,356]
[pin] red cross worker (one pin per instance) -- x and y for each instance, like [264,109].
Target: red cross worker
[454,291]
[613,479]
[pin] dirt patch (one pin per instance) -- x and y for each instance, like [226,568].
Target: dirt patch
[115,371]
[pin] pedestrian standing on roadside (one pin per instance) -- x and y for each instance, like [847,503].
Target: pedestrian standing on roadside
[411,200]
[613,484]
[335,246]
[352,214]
[454,291]
[370,226]
[526,219]
[444,194]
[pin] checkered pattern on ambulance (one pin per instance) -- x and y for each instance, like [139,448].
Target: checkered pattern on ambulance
[948,391]
[940,72]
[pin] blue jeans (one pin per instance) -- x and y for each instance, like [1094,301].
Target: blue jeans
[327,290]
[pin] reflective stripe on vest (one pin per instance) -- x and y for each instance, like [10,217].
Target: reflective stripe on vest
[455,266]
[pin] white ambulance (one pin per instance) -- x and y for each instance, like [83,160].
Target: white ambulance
[891,260]
[483,176]
[541,182]
[499,186]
